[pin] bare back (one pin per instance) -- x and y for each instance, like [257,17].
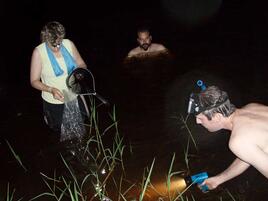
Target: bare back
[251,122]
[249,138]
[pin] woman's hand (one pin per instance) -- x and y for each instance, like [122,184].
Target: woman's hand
[57,94]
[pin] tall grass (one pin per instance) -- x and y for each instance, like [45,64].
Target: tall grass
[10,195]
[98,184]
[103,156]
[146,181]
[170,175]
[184,122]
[53,188]
[16,156]
[231,196]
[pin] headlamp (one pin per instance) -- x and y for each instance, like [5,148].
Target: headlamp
[194,104]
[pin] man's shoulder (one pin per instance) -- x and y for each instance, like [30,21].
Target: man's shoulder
[158,47]
[133,52]
[253,106]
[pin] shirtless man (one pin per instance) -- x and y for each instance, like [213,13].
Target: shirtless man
[146,47]
[248,126]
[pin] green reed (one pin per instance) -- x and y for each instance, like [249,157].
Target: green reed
[52,188]
[184,122]
[110,158]
[186,154]
[102,157]
[170,175]
[10,195]
[146,181]
[231,196]
[16,156]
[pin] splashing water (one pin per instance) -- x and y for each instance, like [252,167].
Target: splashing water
[72,122]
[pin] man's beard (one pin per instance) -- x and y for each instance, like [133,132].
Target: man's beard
[145,46]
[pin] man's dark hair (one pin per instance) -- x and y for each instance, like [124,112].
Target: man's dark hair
[143,29]
[217,101]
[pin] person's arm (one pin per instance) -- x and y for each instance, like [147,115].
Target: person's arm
[78,59]
[133,53]
[236,168]
[35,75]
[249,151]
[162,48]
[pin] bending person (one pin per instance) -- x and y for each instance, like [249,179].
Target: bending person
[248,126]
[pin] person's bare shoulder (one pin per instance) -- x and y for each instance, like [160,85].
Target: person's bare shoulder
[254,106]
[68,41]
[36,53]
[133,52]
[158,47]
[249,105]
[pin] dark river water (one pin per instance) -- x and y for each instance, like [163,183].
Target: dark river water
[223,43]
[150,99]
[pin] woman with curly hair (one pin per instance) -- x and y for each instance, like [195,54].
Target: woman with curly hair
[52,61]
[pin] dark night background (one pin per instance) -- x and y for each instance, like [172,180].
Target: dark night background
[223,42]
[105,31]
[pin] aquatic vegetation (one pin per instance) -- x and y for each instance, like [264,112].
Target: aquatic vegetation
[101,161]
[16,156]
[104,174]
[169,176]
[146,181]
[10,195]
[231,196]
[184,122]
[52,188]
[186,154]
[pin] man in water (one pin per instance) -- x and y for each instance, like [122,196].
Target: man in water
[146,47]
[248,126]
